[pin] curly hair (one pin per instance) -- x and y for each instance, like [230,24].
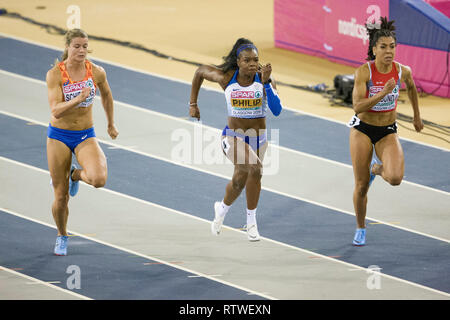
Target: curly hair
[376,31]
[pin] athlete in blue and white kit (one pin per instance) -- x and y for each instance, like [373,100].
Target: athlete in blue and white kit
[249,90]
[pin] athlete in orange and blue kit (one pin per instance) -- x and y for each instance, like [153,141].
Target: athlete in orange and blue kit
[72,85]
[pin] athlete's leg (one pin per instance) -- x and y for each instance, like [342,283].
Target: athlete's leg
[238,154]
[361,153]
[253,184]
[59,158]
[247,173]
[93,169]
[390,152]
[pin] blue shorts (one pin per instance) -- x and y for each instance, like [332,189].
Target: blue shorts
[70,138]
[254,142]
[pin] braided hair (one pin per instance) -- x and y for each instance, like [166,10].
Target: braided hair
[230,61]
[376,31]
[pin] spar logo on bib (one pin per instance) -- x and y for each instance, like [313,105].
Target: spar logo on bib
[242,95]
[74,87]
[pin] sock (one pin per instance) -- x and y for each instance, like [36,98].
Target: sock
[223,209]
[251,217]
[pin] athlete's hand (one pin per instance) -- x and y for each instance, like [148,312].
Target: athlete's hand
[112,131]
[266,70]
[418,123]
[84,94]
[194,112]
[389,86]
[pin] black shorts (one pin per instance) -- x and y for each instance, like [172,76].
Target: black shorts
[375,133]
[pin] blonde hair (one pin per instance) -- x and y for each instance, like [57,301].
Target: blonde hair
[68,37]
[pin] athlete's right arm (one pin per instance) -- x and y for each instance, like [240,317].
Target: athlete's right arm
[360,102]
[203,72]
[57,104]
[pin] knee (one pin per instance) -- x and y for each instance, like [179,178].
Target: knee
[97,180]
[393,176]
[394,180]
[361,188]
[61,199]
[255,170]
[238,184]
[238,181]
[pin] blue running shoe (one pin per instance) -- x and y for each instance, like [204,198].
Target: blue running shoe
[61,245]
[360,237]
[374,161]
[73,185]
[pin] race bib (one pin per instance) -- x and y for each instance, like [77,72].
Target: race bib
[225,145]
[354,122]
[246,103]
[72,90]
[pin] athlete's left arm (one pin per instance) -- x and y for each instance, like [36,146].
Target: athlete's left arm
[412,95]
[273,100]
[107,99]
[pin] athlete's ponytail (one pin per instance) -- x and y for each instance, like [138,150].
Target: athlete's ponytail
[68,37]
[230,61]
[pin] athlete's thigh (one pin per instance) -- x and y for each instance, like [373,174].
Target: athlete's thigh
[59,158]
[262,151]
[361,153]
[390,152]
[90,156]
[239,152]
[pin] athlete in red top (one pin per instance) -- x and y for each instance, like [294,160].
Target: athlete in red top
[373,130]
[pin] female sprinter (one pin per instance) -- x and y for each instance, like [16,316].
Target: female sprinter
[72,85]
[248,91]
[373,130]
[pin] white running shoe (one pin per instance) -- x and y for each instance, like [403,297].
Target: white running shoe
[252,233]
[216,225]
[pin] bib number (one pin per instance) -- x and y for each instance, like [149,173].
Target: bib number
[354,122]
[225,145]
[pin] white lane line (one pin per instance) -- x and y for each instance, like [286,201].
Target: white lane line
[114,147]
[206,87]
[349,265]
[252,294]
[191,123]
[45,283]
[117,146]
[51,282]
[174,265]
